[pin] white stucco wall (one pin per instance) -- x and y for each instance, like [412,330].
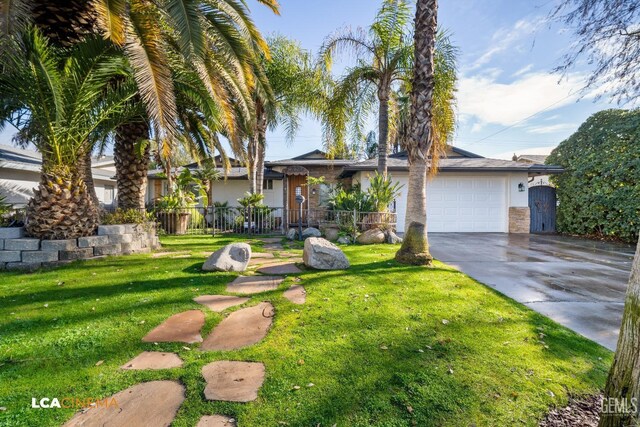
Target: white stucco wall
[510,181]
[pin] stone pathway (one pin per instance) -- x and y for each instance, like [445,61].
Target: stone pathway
[254,284]
[296,294]
[150,404]
[233,381]
[216,421]
[241,328]
[156,403]
[153,360]
[182,327]
[219,303]
[280,268]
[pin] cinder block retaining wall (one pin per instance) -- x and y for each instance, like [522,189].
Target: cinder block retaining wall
[23,253]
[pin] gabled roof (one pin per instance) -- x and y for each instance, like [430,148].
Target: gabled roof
[533,158]
[463,163]
[312,158]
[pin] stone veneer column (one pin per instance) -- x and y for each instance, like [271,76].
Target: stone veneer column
[519,220]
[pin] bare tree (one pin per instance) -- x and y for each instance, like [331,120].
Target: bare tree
[608,37]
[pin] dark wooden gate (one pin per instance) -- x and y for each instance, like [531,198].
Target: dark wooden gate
[542,201]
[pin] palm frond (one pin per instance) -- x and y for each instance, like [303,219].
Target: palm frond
[15,15]
[111,19]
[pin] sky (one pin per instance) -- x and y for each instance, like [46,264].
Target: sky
[509,101]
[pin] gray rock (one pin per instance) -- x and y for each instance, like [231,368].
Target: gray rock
[310,232]
[86,242]
[11,232]
[370,237]
[344,240]
[292,234]
[331,233]
[80,253]
[10,256]
[59,245]
[39,256]
[233,257]
[393,238]
[114,249]
[120,238]
[104,230]
[321,254]
[22,244]
[25,266]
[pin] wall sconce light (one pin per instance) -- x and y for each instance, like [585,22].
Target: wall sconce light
[298,191]
[313,191]
[521,187]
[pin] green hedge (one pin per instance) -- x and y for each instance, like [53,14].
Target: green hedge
[599,193]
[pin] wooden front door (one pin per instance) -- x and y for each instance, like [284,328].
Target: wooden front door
[292,206]
[542,202]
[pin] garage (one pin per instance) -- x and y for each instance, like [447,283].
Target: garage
[467,204]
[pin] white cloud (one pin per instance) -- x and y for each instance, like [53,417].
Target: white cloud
[560,127]
[505,38]
[523,70]
[489,101]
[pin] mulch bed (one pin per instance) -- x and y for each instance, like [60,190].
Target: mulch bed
[580,412]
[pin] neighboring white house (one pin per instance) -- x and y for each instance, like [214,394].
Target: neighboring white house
[470,193]
[20,174]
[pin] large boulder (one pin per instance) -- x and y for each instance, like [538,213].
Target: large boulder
[370,237]
[393,238]
[331,233]
[344,240]
[321,254]
[292,234]
[233,257]
[310,232]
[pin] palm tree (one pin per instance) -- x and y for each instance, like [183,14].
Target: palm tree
[296,87]
[383,58]
[217,39]
[61,100]
[207,173]
[423,133]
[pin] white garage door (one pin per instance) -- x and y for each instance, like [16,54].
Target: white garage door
[466,204]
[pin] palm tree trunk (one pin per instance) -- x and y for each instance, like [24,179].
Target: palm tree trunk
[84,167]
[252,158]
[623,383]
[261,118]
[131,165]
[415,247]
[383,130]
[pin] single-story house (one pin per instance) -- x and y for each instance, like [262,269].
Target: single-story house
[20,174]
[469,194]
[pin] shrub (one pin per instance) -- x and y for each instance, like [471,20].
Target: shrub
[599,193]
[126,216]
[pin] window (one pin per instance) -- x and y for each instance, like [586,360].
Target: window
[108,194]
[324,195]
[267,184]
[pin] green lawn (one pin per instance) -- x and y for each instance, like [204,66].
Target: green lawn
[384,344]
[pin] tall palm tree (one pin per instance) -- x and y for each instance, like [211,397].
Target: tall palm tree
[296,87]
[217,38]
[423,134]
[61,100]
[383,57]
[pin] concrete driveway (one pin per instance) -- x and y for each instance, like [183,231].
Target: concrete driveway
[578,283]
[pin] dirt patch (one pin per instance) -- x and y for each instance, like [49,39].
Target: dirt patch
[580,412]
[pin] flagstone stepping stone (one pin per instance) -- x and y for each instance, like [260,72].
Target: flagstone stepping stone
[249,285]
[233,381]
[270,239]
[150,404]
[216,421]
[182,327]
[273,246]
[220,303]
[280,268]
[153,360]
[268,262]
[296,294]
[241,328]
[262,255]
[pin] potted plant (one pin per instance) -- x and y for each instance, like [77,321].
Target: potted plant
[174,209]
